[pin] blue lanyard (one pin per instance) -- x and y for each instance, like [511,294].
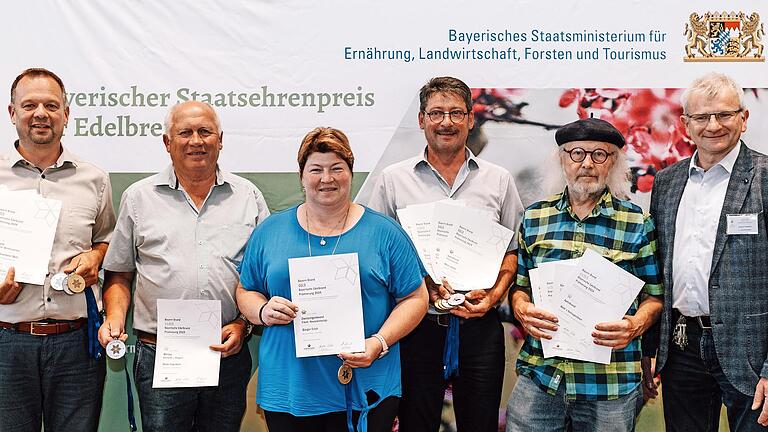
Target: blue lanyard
[451,349]
[95,349]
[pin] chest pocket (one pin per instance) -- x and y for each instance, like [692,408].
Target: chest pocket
[78,221]
[229,241]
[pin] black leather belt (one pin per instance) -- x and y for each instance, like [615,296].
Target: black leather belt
[442,319]
[703,321]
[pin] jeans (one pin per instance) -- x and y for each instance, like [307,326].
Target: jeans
[219,408]
[694,388]
[477,389]
[50,380]
[532,409]
[380,419]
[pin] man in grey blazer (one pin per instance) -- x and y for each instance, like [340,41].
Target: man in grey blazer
[712,338]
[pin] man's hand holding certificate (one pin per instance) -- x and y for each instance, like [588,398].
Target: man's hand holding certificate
[595,291]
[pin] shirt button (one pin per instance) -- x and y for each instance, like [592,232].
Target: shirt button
[202,266]
[42,176]
[48,299]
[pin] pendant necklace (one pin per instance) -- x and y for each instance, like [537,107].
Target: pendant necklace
[322,239]
[345,372]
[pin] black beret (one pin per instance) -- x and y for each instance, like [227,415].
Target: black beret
[589,129]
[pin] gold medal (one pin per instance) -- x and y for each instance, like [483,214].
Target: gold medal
[345,374]
[75,283]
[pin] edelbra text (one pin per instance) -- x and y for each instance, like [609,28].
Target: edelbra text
[122,125]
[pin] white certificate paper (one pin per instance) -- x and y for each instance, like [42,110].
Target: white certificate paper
[473,246]
[185,331]
[598,291]
[327,291]
[27,228]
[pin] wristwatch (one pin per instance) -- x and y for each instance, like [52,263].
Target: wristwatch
[248,324]
[384,346]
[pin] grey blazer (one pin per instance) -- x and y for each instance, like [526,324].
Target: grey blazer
[738,282]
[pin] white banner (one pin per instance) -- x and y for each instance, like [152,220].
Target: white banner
[274,69]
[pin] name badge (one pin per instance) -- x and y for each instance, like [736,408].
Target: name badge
[742,224]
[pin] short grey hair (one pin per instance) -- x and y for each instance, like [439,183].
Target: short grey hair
[169,117]
[711,85]
[619,181]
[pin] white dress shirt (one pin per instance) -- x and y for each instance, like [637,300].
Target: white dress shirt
[698,216]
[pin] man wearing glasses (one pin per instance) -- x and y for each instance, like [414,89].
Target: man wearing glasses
[447,169]
[591,213]
[713,333]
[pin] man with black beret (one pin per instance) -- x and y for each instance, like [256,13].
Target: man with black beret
[592,212]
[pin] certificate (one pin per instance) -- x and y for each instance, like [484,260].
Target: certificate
[326,290]
[416,220]
[185,331]
[27,227]
[598,291]
[473,246]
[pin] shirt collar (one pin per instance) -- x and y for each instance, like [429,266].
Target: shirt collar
[470,159]
[15,157]
[605,205]
[167,177]
[726,163]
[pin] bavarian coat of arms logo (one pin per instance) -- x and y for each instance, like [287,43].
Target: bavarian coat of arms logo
[724,37]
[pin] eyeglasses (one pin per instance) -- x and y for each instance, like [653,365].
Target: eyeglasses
[578,154]
[456,116]
[721,117]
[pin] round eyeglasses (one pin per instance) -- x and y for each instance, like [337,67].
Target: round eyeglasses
[456,116]
[578,155]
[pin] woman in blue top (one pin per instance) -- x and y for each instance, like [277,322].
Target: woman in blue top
[307,394]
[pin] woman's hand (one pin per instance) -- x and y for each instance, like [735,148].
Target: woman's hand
[364,359]
[278,311]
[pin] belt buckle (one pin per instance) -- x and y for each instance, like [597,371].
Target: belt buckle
[32,330]
[701,324]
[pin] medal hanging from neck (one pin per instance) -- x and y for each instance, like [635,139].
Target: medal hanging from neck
[344,373]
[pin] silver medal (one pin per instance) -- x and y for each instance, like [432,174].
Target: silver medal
[58,281]
[456,299]
[115,349]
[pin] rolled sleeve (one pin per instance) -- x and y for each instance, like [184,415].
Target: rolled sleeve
[121,255]
[511,209]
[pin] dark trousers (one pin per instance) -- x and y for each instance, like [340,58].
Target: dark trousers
[50,380]
[219,408]
[380,419]
[694,388]
[477,389]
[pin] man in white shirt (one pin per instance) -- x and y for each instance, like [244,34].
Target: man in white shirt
[713,333]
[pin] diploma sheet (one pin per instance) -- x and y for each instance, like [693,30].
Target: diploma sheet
[598,291]
[327,291]
[27,228]
[185,331]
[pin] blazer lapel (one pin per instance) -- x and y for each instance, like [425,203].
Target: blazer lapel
[738,186]
[669,206]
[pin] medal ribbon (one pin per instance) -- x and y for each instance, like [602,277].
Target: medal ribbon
[94,322]
[451,349]
[131,415]
[362,421]
[96,350]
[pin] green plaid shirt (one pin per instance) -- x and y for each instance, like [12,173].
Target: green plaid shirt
[619,231]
